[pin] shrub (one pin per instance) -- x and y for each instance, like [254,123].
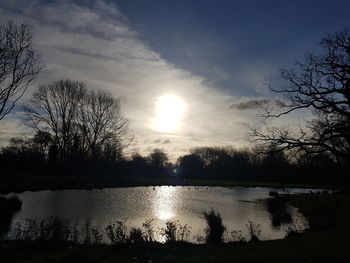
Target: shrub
[174,231]
[136,235]
[116,232]
[52,229]
[254,230]
[215,229]
[279,211]
[148,230]
[8,207]
[90,236]
[237,236]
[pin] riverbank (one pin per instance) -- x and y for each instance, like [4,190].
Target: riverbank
[327,240]
[30,182]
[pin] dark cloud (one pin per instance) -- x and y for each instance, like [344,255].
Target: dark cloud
[160,141]
[249,104]
[166,141]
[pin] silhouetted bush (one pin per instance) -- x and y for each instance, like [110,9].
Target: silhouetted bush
[116,232]
[254,230]
[215,229]
[53,230]
[8,207]
[293,229]
[136,236]
[174,231]
[273,193]
[148,230]
[91,236]
[237,236]
[56,231]
[10,204]
[279,211]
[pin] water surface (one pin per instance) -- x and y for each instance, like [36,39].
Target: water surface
[236,206]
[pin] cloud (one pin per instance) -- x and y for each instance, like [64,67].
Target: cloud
[255,103]
[11,126]
[249,103]
[160,141]
[167,141]
[96,43]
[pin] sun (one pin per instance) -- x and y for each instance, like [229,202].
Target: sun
[170,110]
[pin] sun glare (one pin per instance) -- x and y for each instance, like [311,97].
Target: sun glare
[169,110]
[164,202]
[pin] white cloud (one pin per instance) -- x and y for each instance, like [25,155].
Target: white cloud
[95,44]
[11,126]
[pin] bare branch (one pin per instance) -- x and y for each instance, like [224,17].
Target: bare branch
[320,84]
[20,64]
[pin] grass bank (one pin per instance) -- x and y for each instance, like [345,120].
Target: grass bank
[326,241]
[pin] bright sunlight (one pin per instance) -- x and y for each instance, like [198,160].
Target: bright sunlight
[169,110]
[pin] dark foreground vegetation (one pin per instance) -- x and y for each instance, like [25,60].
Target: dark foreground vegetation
[325,241]
[8,207]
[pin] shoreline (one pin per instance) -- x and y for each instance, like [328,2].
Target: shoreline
[59,182]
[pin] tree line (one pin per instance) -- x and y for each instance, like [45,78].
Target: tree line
[261,165]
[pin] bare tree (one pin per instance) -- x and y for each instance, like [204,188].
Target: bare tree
[320,85]
[84,123]
[20,64]
[54,108]
[101,122]
[158,157]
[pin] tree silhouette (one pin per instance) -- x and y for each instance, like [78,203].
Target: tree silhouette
[320,85]
[54,108]
[101,121]
[20,64]
[157,158]
[84,124]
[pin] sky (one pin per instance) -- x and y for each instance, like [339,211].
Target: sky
[188,73]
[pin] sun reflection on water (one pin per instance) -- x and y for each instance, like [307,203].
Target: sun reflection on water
[164,202]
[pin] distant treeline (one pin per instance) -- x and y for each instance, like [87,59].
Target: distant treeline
[262,165]
[38,155]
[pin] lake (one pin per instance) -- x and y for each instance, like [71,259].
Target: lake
[236,205]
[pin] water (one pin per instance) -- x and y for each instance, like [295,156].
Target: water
[236,206]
